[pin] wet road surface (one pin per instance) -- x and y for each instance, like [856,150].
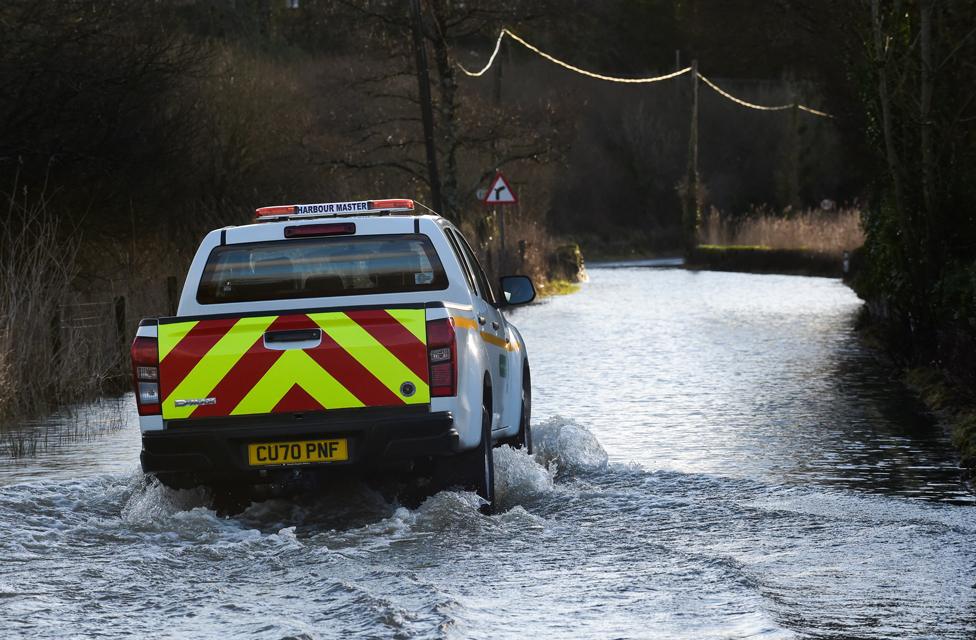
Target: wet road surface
[717,457]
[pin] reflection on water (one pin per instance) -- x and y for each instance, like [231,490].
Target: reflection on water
[100,437]
[734,374]
[717,457]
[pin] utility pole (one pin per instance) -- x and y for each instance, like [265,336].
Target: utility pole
[426,107]
[499,214]
[677,67]
[692,205]
[793,164]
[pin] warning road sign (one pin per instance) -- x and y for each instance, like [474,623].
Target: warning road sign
[500,192]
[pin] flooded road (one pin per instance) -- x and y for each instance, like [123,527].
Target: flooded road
[718,457]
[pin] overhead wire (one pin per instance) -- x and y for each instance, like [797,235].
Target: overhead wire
[566,65]
[822,114]
[600,76]
[739,101]
[750,105]
[491,60]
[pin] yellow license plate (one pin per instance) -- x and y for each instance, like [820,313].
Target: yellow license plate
[302,452]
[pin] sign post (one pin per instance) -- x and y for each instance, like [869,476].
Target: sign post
[499,193]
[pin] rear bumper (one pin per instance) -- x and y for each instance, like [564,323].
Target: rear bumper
[376,437]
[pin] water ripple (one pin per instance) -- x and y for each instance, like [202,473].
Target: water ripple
[732,464]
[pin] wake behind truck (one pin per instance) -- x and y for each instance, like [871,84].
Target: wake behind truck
[347,334]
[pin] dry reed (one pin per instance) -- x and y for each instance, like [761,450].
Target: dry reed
[46,360]
[817,230]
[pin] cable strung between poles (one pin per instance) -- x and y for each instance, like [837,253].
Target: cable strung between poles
[822,114]
[491,60]
[566,65]
[600,76]
[750,105]
[741,102]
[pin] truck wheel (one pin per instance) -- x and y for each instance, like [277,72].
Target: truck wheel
[485,485]
[523,440]
[473,470]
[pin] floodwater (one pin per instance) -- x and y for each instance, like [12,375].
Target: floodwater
[717,457]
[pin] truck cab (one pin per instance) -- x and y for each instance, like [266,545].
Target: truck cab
[334,335]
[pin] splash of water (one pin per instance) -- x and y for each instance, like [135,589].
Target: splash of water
[519,477]
[152,503]
[569,447]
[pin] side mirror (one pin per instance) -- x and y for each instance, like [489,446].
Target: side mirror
[516,290]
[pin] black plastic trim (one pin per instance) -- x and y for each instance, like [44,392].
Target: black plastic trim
[292,335]
[375,437]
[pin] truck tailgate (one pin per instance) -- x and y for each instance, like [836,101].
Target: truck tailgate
[295,362]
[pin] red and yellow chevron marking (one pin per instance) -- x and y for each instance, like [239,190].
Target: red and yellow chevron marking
[363,360]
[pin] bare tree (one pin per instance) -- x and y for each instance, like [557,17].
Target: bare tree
[384,131]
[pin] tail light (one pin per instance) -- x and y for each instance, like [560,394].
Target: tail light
[442,356]
[145,374]
[313,230]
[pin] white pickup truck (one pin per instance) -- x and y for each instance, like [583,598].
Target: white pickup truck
[331,335]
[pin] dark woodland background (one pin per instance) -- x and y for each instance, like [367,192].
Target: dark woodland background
[129,128]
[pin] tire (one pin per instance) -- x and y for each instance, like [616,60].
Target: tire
[485,482]
[523,439]
[472,470]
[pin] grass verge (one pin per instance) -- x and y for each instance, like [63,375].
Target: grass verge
[557,287]
[762,259]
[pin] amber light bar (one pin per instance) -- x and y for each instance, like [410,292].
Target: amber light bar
[380,205]
[358,207]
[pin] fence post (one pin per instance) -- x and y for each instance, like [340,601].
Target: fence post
[56,334]
[120,322]
[171,295]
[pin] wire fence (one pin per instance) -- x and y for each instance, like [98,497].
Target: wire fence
[86,315]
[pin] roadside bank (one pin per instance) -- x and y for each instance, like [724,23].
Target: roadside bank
[761,259]
[953,404]
[940,378]
[564,270]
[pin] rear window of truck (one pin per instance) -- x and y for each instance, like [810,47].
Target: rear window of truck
[321,267]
